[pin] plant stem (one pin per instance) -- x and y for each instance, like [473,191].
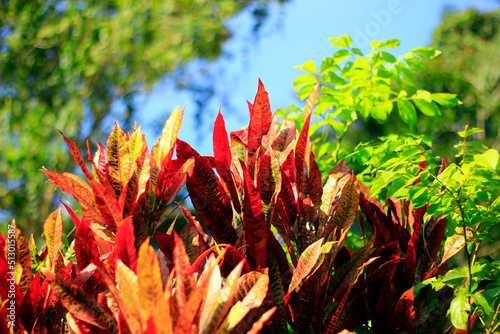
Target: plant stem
[492,329]
[469,262]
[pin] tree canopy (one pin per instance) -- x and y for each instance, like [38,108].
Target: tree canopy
[467,66]
[70,64]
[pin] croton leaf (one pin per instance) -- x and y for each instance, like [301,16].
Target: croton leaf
[118,159]
[128,295]
[346,210]
[53,231]
[307,261]
[108,205]
[302,150]
[259,324]
[404,312]
[217,306]
[125,244]
[311,100]
[185,283]
[82,192]
[169,134]
[256,228]
[75,152]
[260,121]
[79,304]
[150,285]
[23,260]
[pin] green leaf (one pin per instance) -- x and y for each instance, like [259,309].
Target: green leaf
[426,52]
[341,55]
[341,42]
[327,65]
[445,99]
[388,57]
[479,298]
[488,159]
[381,110]
[375,44]
[423,95]
[305,79]
[427,108]
[407,112]
[390,43]
[334,79]
[414,63]
[458,309]
[468,132]
[357,51]
[308,66]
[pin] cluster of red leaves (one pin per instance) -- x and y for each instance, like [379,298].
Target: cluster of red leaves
[279,234]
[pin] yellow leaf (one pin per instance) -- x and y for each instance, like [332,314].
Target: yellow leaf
[150,285]
[127,282]
[170,133]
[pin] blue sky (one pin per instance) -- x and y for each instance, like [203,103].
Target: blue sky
[294,33]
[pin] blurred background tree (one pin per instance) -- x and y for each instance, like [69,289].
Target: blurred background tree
[469,67]
[71,65]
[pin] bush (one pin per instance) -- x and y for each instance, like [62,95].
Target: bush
[272,247]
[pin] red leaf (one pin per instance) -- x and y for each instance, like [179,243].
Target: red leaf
[302,151]
[256,229]
[75,152]
[232,258]
[260,121]
[125,244]
[108,206]
[80,190]
[31,306]
[404,313]
[166,244]
[412,255]
[432,245]
[223,159]
[209,198]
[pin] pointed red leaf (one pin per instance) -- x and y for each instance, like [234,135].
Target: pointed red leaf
[223,159]
[404,312]
[260,122]
[209,198]
[125,244]
[256,229]
[75,152]
[80,190]
[108,206]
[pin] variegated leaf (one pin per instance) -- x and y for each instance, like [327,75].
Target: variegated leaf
[53,231]
[79,304]
[169,134]
[118,159]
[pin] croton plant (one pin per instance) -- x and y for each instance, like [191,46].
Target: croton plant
[265,252]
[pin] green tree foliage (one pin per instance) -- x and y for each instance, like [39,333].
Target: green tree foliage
[469,42]
[468,67]
[68,64]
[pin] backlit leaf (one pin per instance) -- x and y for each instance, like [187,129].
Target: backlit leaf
[118,159]
[307,262]
[407,112]
[53,231]
[169,134]
[129,289]
[81,305]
